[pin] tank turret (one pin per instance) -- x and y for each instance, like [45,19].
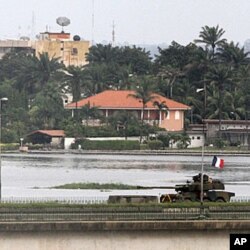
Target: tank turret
[195,185]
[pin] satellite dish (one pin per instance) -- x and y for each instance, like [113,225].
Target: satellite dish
[62,21]
[76,38]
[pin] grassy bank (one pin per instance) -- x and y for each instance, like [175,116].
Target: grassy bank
[92,185]
[240,207]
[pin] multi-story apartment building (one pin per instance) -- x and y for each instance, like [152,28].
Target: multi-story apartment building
[60,45]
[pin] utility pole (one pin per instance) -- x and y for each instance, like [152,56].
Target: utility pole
[113,34]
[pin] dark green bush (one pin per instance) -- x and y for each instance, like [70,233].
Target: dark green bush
[219,143]
[107,145]
[10,146]
[35,146]
[144,146]
[155,145]
[165,139]
[9,136]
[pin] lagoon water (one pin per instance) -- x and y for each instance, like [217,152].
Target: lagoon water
[34,175]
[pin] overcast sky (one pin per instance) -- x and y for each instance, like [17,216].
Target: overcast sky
[136,21]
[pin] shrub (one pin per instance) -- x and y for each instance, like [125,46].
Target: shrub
[164,139]
[34,146]
[155,144]
[219,143]
[9,136]
[107,145]
[9,146]
[144,146]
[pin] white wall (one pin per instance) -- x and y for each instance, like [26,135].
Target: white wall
[68,141]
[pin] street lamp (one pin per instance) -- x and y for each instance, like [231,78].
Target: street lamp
[21,142]
[3,99]
[202,149]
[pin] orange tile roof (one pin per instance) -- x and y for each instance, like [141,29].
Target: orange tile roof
[120,99]
[52,133]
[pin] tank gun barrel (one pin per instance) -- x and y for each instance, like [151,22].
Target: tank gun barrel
[154,187]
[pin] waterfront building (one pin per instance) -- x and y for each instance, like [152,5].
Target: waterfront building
[170,118]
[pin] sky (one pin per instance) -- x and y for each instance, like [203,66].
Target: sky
[135,21]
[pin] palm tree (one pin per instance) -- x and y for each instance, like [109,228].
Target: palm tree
[170,75]
[123,119]
[161,106]
[47,110]
[73,81]
[144,93]
[103,54]
[233,55]
[44,68]
[211,37]
[36,72]
[90,112]
[219,76]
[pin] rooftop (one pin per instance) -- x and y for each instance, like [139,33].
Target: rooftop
[52,133]
[122,99]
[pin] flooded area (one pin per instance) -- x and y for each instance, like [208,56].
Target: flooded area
[34,175]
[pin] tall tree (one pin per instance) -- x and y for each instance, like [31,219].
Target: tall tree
[90,112]
[162,107]
[219,76]
[47,111]
[122,120]
[144,92]
[73,81]
[232,54]
[211,37]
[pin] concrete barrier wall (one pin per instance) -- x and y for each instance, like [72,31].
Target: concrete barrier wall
[150,240]
[120,235]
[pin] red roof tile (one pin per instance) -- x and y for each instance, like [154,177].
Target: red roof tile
[121,99]
[52,133]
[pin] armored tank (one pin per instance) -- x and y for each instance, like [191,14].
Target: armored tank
[191,191]
[213,190]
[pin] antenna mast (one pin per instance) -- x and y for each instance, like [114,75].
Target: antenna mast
[113,34]
[33,31]
[93,20]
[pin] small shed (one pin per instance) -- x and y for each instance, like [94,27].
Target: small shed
[53,138]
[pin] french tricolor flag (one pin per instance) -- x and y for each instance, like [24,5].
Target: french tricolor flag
[217,162]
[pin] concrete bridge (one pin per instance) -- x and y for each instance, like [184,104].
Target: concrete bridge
[120,235]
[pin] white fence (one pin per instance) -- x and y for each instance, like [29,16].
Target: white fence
[63,200]
[240,199]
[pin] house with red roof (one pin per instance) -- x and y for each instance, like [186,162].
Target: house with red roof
[171,117]
[53,138]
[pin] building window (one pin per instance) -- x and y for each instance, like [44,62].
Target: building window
[74,51]
[177,115]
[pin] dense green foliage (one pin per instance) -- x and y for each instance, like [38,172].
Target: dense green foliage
[155,144]
[34,85]
[107,145]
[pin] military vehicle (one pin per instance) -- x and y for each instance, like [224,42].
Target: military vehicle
[191,191]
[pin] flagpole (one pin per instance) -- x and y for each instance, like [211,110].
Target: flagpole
[202,167]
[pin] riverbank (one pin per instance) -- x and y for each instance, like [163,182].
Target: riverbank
[184,152]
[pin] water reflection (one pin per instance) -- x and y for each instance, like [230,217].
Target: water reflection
[22,172]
